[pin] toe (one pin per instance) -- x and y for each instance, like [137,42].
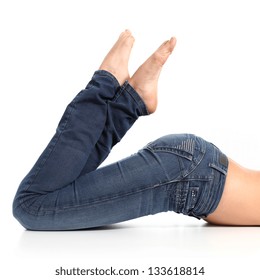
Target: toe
[125,35]
[172,43]
[163,52]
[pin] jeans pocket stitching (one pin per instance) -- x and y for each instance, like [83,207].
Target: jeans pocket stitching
[218,168]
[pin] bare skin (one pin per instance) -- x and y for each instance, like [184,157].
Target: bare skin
[240,202]
[145,79]
[116,61]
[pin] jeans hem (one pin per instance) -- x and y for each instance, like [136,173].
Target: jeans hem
[139,101]
[107,74]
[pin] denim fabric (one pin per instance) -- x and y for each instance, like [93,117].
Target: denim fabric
[195,173]
[64,190]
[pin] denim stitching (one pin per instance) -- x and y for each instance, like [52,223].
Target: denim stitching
[33,209]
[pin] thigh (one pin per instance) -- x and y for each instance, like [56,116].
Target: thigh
[128,189]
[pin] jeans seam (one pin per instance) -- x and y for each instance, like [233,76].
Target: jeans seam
[33,210]
[200,206]
[170,150]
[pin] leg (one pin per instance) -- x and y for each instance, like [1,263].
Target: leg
[93,110]
[78,147]
[145,80]
[169,174]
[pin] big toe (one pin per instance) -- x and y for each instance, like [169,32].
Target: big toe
[164,51]
[126,37]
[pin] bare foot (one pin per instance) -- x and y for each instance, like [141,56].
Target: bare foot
[116,61]
[145,79]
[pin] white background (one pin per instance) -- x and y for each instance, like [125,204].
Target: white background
[209,86]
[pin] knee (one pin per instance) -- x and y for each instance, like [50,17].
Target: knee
[19,214]
[23,216]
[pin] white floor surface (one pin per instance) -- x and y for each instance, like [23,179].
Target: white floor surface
[164,240]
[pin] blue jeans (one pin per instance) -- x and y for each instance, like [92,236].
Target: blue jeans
[64,190]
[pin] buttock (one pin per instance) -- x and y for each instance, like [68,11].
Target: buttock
[196,172]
